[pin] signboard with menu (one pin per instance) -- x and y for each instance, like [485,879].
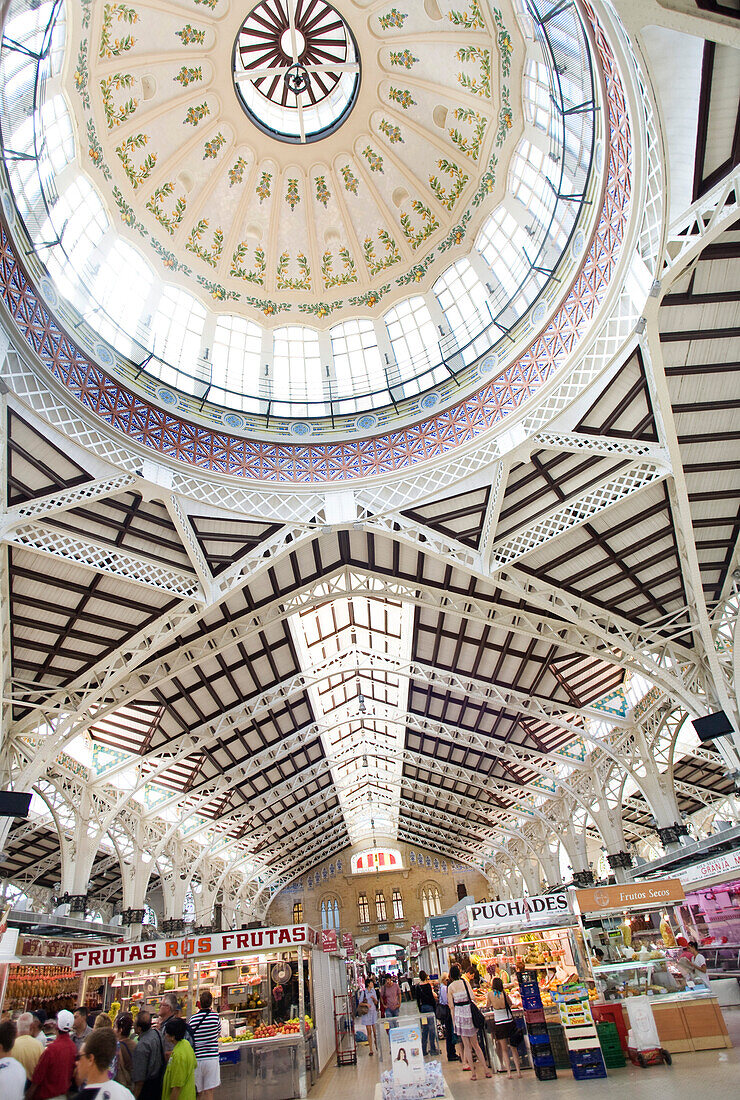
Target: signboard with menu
[630,895]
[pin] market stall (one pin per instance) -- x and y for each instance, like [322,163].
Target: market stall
[639,928]
[535,945]
[38,974]
[268,986]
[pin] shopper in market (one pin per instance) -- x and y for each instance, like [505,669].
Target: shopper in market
[80,1028]
[390,996]
[460,999]
[52,1077]
[38,1020]
[92,1071]
[427,1002]
[102,1020]
[26,1049]
[445,1018]
[179,1077]
[148,1061]
[504,1026]
[125,1047]
[205,1026]
[369,997]
[12,1074]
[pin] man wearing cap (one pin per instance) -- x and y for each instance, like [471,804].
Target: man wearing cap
[52,1077]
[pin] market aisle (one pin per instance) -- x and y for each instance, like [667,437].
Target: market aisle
[711,1072]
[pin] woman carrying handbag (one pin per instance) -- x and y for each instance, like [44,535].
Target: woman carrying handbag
[505,1029]
[367,1009]
[468,1019]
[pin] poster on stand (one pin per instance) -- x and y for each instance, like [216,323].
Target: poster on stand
[407,1060]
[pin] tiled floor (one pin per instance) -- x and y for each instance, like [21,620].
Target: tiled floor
[711,1073]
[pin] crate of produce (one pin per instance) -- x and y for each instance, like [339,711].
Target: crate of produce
[542,1058]
[590,1057]
[537,1030]
[534,1016]
[545,1073]
[539,1040]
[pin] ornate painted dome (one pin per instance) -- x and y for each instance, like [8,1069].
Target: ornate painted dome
[305,218]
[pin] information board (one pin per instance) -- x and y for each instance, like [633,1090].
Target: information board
[407,1060]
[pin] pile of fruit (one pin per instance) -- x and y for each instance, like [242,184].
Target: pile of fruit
[269,1031]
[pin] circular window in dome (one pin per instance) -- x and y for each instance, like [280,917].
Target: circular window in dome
[296,69]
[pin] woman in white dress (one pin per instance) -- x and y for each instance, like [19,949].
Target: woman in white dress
[369,996]
[459,1001]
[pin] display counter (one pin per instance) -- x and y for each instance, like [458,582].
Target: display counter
[685,1021]
[279,1068]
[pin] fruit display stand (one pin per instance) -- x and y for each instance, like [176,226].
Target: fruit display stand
[268,1051]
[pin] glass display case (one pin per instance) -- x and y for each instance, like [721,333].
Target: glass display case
[655,977]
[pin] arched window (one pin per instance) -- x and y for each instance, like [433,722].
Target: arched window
[363,909]
[297,912]
[431,902]
[380,905]
[397,905]
[330,913]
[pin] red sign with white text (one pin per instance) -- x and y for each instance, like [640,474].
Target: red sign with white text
[246,942]
[348,941]
[329,940]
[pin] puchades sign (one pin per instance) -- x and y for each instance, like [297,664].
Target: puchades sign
[193,947]
[492,915]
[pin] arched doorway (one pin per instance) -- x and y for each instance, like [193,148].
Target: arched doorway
[383,958]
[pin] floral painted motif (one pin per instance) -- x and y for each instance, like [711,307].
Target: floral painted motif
[189,36]
[319,309]
[268,308]
[323,193]
[192,244]
[194,115]
[169,259]
[478,122]
[393,133]
[128,217]
[416,273]
[86,6]
[351,182]
[81,75]
[456,235]
[473,21]
[207,3]
[114,116]
[459,179]
[429,224]
[130,145]
[168,221]
[217,292]
[380,263]
[505,44]
[370,297]
[486,182]
[292,197]
[403,97]
[96,151]
[302,282]
[393,18]
[343,278]
[236,172]
[189,75]
[505,118]
[211,148]
[257,273]
[112,47]
[468,54]
[404,58]
[373,159]
[263,187]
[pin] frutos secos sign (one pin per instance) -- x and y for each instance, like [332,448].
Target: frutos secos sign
[493,914]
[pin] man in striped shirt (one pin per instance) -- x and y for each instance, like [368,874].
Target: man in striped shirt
[206,1028]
